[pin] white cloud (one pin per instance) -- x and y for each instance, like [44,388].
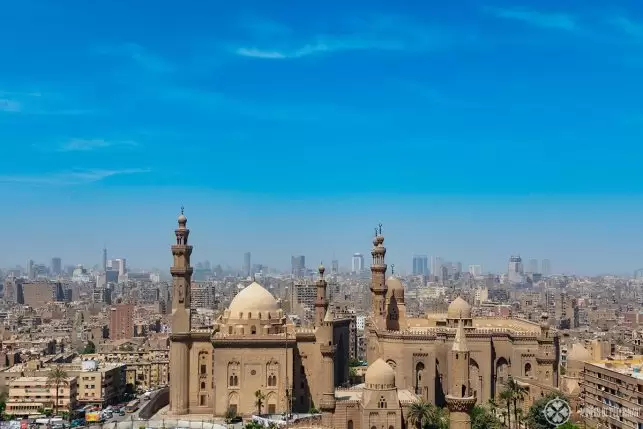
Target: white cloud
[75,177]
[558,21]
[81,145]
[627,26]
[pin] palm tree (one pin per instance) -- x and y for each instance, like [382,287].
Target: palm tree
[57,377]
[493,407]
[506,396]
[517,394]
[425,415]
[259,398]
[420,413]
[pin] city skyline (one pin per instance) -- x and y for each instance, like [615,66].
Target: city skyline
[472,131]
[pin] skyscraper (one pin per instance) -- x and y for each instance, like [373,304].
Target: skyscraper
[30,272]
[334,267]
[533,266]
[436,263]
[298,264]
[56,266]
[357,263]
[104,258]
[545,267]
[420,265]
[515,270]
[246,264]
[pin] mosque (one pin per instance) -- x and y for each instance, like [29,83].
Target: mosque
[254,350]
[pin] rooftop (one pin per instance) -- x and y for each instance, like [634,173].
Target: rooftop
[630,367]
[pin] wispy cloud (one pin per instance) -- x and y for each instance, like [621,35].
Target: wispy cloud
[558,21]
[139,55]
[84,145]
[74,177]
[9,106]
[376,34]
[628,27]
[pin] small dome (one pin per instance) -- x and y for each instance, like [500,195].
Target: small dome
[578,353]
[459,309]
[395,287]
[253,299]
[182,218]
[380,374]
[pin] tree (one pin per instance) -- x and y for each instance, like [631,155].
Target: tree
[517,393]
[3,404]
[259,398]
[481,418]
[230,415]
[90,348]
[57,378]
[506,397]
[535,418]
[253,425]
[424,415]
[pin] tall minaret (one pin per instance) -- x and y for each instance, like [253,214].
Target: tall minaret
[460,402]
[378,280]
[324,336]
[181,324]
[321,303]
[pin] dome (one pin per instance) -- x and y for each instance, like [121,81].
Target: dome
[253,299]
[578,353]
[380,374]
[395,287]
[459,309]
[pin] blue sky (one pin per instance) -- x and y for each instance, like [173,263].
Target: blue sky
[473,130]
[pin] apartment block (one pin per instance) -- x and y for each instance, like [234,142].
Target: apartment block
[27,395]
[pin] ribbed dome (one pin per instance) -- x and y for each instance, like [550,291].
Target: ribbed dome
[395,287]
[380,375]
[459,308]
[253,299]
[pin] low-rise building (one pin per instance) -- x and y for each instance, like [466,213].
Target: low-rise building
[31,395]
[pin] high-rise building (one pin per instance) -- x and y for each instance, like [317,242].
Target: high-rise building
[119,265]
[30,272]
[334,267]
[436,264]
[56,266]
[545,267]
[475,270]
[420,265]
[104,259]
[298,264]
[515,270]
[121,322]
[246,264]
[357,263]
[532,266]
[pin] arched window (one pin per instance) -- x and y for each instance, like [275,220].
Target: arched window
[350,424]
[249,315]
[253,330]
[203,385]
[527,369]
[259,315]
[382,403]
[236,380]
[240,315]
[231,381]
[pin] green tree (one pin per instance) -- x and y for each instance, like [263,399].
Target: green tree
[424,415]
[354,362]
[90,348]
[481,418]
[259,398]
[3,404]
[230,415]
[535,418]
[253,425]
[568,425]
[517,393]
[57,378]
[506,397]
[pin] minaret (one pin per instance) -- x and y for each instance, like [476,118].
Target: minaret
[321,303]
[181,324]
[378,280]
[460,402]
[327,349]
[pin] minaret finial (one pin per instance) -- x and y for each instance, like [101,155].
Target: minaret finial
[375,231]
[182,210]
[379,228]
[392,269]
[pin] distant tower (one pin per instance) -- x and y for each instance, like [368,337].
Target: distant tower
[104,258]
[460,401]
[324,335]
[246,264]
[321,303]
[181,324]
[378,280]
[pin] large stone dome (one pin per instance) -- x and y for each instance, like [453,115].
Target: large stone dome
[380,375]
[395,287]
[253,299]
[459,309]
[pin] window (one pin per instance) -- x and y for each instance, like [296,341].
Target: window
[272,409]
[203,385]
[253,330]
[381,403]
[202,400]
[204,369]
[350,424]
[249,315]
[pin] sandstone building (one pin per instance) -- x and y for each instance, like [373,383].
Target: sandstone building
[448,359]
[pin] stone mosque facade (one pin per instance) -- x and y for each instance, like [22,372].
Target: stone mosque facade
[452,359]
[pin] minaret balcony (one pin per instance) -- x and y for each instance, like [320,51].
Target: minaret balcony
[462,405]
[328,351]
[180,271]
